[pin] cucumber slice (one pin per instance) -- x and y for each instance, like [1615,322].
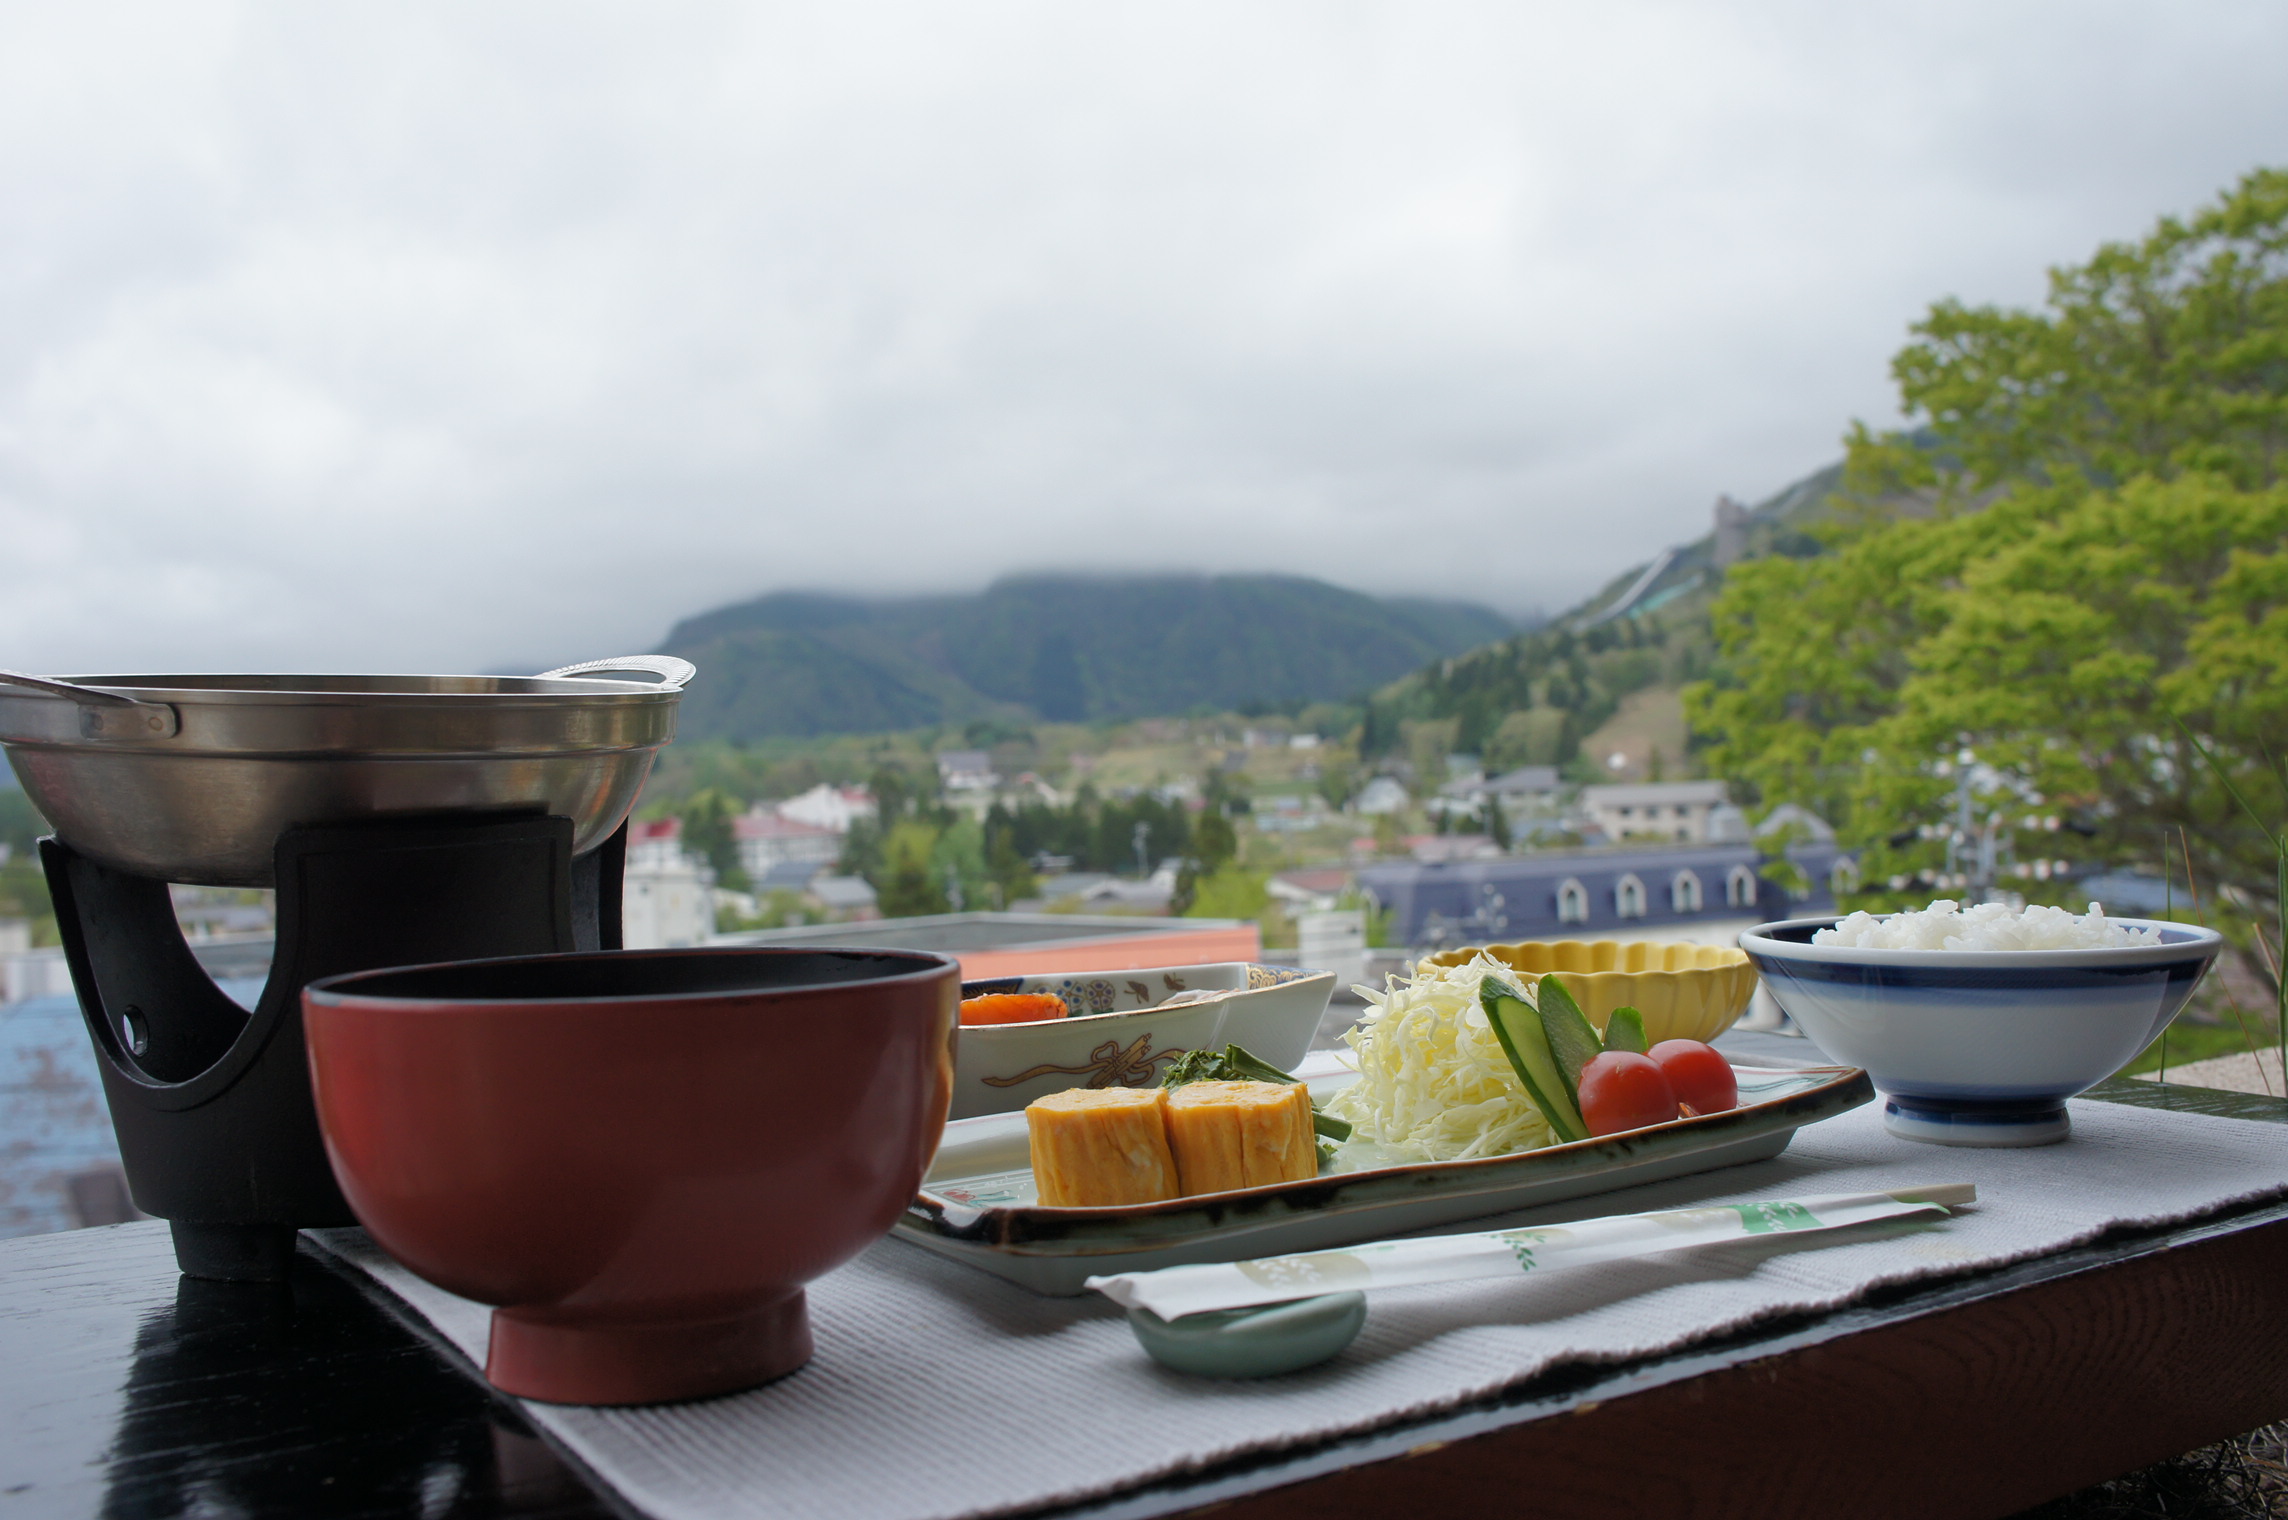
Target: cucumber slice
[1572,1038]
[1625,1031]
[1519,1029]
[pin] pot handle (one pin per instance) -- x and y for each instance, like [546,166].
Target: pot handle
[674,674]
[105,714]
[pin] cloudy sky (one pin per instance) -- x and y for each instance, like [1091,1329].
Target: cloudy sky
[450,337]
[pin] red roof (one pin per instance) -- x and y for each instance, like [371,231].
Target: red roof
[1319,878]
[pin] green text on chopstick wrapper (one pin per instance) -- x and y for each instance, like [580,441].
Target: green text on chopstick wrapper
[1318,1272]
[1176,1291]
[1764,1218]
[1521,1244]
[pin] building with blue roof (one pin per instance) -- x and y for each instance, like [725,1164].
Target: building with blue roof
[1598,894]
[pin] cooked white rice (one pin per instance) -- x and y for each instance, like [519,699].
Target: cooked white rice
[1947,925]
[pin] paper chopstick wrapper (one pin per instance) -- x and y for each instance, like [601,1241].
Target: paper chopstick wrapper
[1175,1291]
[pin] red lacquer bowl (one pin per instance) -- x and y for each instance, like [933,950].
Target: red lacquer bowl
[639,1156]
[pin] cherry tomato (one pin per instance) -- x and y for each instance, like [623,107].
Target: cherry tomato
[1623,1090]
[1702,1078]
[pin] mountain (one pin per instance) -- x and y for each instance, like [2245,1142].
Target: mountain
[1776,525]
[1537,696]
[1058,647]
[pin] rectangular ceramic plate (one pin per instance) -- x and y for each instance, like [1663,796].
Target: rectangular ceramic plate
[977,1204]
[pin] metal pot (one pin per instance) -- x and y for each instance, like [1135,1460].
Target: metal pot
[192,778]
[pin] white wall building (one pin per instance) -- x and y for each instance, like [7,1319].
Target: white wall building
[1381,795]
[664,909]
[766,839]
[668,898]
[32,973]
[1676,810]
[966,770]
[654,843]
[1333,941]
[829,807]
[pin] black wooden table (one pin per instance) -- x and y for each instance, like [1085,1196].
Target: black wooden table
[126,1391]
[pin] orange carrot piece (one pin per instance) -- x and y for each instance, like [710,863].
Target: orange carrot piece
[1012,1008]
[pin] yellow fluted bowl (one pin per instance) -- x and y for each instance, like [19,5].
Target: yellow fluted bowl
[1685,992]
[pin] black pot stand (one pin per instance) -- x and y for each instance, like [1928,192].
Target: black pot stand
[212,1104]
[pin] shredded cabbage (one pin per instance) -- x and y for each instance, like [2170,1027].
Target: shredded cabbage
[1434,1083]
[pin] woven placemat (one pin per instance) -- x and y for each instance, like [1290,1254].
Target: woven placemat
[940,1391]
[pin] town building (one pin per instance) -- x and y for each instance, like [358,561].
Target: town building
[1103,891]
[1595,894]
[785,876]
[966,770]
[829,807]
[1384,794]
[1442,847]
[1802,821]
[848,899]
[818,889]
[1289,814]
[1675,810]
[766,838]
[667,897]
[1311,889]
[1030,788]
[1534,786]
[1526,790]
[1333,940]
[654,843]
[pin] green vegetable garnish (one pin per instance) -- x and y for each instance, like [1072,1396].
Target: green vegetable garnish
[1524,1039]
[1236,1063]
[1625,1031]
[1572,1038]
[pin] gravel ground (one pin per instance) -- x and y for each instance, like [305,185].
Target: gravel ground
[2258,1073]
[2242,1479]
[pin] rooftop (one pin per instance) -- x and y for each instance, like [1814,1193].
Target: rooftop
[1638,793]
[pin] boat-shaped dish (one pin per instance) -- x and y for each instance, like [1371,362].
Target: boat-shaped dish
[1127,1026]
[977,1205]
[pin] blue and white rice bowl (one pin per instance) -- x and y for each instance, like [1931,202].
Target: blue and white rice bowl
[1981,1047]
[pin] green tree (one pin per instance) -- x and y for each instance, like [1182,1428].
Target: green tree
[1339,781]
[23,885]
[957,859]
[2097,570]
[1010,873]
[1528,736]
[1428,743]
[862,851]
[1231,891]
[910,884]
[1215,844]
[708,815]
[2157,357]
[1497,822]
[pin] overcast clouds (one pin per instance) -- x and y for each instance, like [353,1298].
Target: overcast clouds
[456,337]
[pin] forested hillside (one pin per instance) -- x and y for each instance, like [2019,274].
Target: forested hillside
[1059,648]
